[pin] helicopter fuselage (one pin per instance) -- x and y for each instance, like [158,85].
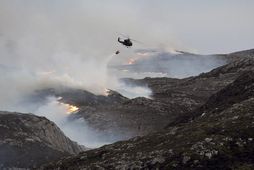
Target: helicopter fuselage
[126,42]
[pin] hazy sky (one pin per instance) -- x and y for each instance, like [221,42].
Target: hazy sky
[71,41]
[203,26]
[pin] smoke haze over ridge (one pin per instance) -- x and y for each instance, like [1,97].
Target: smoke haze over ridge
[59,42]
[71,41]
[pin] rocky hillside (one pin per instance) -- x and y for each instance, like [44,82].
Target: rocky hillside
[217,139]
[172,99]
[27,141]
[210,125]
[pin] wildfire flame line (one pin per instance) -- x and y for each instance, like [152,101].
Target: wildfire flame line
[138,56]
[131,61]
[70,108]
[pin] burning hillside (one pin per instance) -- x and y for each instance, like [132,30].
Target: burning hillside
[70,108]
[66,64]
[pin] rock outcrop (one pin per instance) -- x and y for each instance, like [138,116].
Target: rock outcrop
[27,141]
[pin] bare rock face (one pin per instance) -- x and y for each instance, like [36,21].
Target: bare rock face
[27,141]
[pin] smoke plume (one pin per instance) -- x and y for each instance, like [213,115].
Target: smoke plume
[53,43]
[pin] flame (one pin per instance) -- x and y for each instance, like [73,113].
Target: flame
[131,61]
[69,108]
[139,55]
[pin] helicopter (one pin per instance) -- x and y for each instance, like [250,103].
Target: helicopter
[127,42]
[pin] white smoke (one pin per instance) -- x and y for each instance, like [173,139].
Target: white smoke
[46,44]
[51,43]
[133,91]
[76,129]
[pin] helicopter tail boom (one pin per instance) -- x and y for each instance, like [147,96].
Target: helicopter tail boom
[119,40]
